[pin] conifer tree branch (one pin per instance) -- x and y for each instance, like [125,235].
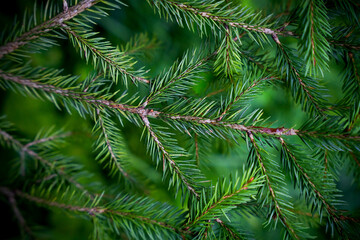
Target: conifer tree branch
[329,209]
[220,201]
[139,44]
[167,157]
[294,75]
[47,26]
[111,58]
[233,234]
[315,30]
[223,20]
[45,162]
[113,156]
[141,111]
[11,197]
[97,210]
[278,209]
[180,127]
[256,83]
[180,75]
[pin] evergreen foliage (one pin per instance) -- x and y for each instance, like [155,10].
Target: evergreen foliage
[204,101]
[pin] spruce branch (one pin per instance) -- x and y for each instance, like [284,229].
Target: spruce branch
[12,201]
[278,209]
[180,76]
[304,181]
[167,159]
[148,112]
[311,134]
[53,166]
[233,234]
[140,44]
[315,30]
[299,85]
[228,59]
[198,108]
[351,87]
[243,92]
[113,143]
[94,211]
[215,13]
[221,198]
[111,59]
[47,26]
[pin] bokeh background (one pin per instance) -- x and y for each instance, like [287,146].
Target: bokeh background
[170,42]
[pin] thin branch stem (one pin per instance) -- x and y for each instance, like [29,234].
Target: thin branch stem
[197,149]
[312,31]
[47,139]
[42,140]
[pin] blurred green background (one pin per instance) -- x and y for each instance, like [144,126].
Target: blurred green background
[31,115]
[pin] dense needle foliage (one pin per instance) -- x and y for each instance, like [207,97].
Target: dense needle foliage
[180,119]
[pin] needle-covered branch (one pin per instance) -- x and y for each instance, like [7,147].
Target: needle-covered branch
[224,100]
[93,101]
[274,194]
[120,210]
[221,198]
[182,172]
[315,195]
[43,28]
[57,166]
